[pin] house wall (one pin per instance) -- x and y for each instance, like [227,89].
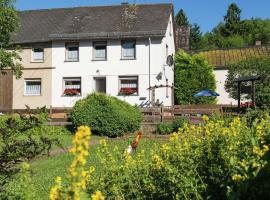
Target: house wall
[224,98]
[42,70]
[112,68]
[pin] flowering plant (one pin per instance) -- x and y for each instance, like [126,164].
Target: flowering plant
[128,91]
[71,92]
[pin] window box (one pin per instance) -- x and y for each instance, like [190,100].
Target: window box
[72,52]
[71,86]
[128,85]
[128,50]
[32,87]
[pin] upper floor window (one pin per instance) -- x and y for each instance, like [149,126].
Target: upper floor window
[72,86]
[72,52]
[37,54]
[128,49]
[99,50]
[32,87]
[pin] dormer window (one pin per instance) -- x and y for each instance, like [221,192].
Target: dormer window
[38,54]
[72,52]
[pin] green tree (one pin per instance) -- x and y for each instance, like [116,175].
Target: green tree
[196,39]
[8,25]
[192,74]
[253,66]
[232,21]
[181,19]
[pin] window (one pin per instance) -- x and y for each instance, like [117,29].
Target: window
[72,52]
[72,86]
[100,51]
[128,50]
[128,85]
[37,54]
[32,87]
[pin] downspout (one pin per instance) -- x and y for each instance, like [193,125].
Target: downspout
[149,78]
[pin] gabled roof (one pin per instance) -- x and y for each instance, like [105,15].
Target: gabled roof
[224,57]
[93,23]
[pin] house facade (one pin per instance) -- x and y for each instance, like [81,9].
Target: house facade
[119,50]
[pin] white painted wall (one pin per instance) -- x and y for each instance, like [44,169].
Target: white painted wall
[224,98]
[113,68]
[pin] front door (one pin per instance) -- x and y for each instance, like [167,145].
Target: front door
[100,84]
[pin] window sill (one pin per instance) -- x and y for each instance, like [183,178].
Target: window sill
[94,60]
[41,61]
[128,95]
[71,61]
[32,95]
[71,95]
[128,59]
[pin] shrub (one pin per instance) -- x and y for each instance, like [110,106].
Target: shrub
[106,115]
[179,123]
[164,128]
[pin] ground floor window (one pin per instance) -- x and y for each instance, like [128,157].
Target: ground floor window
[32,87]
[128,85]
[72,86]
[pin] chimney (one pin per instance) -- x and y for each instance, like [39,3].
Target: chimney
[182,37]
[258,43]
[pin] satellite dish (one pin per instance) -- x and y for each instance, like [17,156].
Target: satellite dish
[170,60]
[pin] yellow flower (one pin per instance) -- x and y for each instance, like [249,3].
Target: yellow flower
[97,196]
[174,137]
[157,162]
[205,118]
[238,177]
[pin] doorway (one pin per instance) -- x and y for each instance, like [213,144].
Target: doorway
[100,84]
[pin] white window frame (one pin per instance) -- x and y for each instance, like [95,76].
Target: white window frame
[124,57]
[38,80]
[33,54]
[120,78]
[70,45]
[74,86]
[96,44]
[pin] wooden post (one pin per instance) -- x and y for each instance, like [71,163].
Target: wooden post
[162,113]
[253,93]
[239,94]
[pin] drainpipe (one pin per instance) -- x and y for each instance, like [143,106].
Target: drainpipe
[149,83]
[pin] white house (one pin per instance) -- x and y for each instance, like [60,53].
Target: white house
[118,50]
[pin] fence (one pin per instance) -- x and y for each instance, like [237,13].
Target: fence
[194,113]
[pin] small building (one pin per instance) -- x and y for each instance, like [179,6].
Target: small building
[221,59]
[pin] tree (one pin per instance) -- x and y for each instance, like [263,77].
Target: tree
[192,74]
[232,21]
[251,67]
[196,39]
[181,19]
[8,25]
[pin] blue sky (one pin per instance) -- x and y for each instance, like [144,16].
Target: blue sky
[207,13]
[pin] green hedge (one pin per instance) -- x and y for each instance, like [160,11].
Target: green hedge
[106,115]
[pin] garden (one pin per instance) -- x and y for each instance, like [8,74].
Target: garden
[220,158]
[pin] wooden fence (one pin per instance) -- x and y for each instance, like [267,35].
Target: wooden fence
[193,113]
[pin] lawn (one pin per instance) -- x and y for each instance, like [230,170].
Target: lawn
[46,169]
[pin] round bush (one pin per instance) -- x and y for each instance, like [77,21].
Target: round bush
[106,115]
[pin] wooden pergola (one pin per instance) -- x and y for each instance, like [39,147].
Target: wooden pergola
[246,79]
[153,91]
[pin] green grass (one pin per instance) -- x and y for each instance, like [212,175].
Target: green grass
[46,169]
